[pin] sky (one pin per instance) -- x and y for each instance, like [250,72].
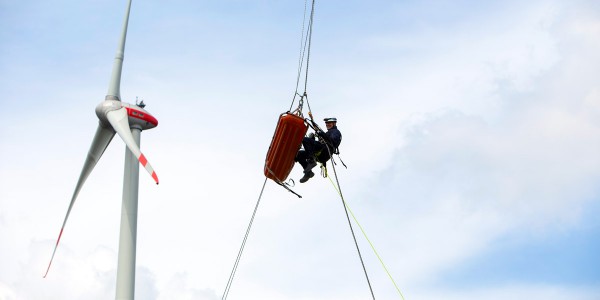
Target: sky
[471,133]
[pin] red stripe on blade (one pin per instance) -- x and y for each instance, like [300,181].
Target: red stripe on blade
[59,236]
[54,252]
[143,160]
[155,177]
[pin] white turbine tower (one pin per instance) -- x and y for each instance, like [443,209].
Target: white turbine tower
[128,121]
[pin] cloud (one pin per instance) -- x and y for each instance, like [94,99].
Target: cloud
[178,287]
[465,175]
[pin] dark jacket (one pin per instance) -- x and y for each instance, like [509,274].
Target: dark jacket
[333,137]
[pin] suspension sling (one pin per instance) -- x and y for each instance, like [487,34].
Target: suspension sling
[291,125]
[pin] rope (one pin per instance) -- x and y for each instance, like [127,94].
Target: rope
[239,256]
[351,229]
[301,57]
[305,43]
[368,240]
[309,36]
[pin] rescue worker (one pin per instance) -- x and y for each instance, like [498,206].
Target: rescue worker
[315,150]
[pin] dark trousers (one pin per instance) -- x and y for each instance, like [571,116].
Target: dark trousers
[312,149]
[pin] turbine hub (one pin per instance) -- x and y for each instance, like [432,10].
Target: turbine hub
[104,107]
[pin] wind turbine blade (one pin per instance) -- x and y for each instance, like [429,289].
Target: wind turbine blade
[101,140]
[119,121]
[114,86]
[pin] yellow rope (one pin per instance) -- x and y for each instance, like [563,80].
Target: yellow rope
[366,237]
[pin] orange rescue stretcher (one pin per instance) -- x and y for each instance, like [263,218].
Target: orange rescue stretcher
[286,142]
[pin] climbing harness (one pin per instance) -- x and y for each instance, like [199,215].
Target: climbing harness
[319,133]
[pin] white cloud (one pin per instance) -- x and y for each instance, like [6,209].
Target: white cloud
[462,177]
[180,287]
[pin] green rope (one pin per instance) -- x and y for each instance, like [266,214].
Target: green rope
[367,238]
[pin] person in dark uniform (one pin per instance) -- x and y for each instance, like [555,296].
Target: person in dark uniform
[318,150]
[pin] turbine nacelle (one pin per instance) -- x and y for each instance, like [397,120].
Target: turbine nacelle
[137,116]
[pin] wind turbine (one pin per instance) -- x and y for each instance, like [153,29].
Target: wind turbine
[127,121]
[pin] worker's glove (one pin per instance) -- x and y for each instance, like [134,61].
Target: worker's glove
[311,135]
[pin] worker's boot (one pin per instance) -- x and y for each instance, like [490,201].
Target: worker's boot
[310,165]
[308,173]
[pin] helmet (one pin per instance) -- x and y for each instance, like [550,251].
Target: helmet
[327,120]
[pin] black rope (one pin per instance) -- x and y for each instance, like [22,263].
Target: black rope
[300,58]
[239,256]
[351,229]
[305,42]
[309,36]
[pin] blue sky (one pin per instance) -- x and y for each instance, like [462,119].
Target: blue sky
[557,258]
[471,134]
